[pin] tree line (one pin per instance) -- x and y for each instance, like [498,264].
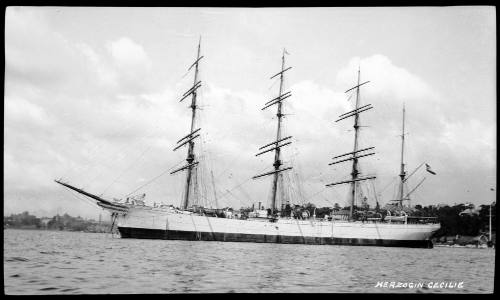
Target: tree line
[65,222]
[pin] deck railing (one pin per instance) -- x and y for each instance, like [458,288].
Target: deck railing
[421,220]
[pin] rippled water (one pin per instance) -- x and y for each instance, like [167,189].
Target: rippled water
[57,262]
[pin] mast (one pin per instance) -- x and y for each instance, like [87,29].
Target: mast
[215,191]
[189,139]
[355,171]
[403,173]
[401,196]
[489,235]
[355,179]
[277,160]
[277,151]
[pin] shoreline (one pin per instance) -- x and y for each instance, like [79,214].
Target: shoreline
[48,229]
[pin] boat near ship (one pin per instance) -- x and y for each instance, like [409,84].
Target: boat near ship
[135,219]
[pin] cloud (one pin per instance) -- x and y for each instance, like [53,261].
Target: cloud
[128,55]
[105,74]
[479,135]
[465,145]
[131,64]
[44,58]
[19,110]
[61,120]
[95,116]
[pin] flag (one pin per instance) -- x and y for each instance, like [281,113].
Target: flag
[429,169]
[286,52]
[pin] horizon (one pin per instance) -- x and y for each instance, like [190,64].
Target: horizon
[91,96]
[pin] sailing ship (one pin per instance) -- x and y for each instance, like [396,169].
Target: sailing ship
[191,222]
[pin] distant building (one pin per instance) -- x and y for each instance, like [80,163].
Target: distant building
[450,240]
[469,205]
[472,240]
[45,222]
[470,212]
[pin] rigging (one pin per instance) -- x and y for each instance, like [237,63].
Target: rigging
[355,179]
[191,161]
[277,146]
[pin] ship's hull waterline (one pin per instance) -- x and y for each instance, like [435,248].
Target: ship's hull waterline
[143,223]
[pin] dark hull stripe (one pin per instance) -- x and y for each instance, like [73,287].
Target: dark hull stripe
[141,233]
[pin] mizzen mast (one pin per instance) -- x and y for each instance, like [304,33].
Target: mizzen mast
[401,195]
[403,173]
[193,134]
[279,142]
[356,153]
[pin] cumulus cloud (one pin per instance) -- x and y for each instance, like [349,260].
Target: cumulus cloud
[105,74]
[131,63]
[36,59]
[93,115]
[431,134]
[127,54]
[61,120]
[19,109]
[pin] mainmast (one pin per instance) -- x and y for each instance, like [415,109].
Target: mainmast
[189,139]
[277,151]
[355,153]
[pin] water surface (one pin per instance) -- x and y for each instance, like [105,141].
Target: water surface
[58,262]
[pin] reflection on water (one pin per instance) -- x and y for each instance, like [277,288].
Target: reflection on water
[56,262]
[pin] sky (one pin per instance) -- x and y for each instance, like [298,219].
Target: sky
[92,98]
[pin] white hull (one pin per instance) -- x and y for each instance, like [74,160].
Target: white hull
[146,222]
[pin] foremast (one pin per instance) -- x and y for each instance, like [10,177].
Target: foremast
[279,142]
[193,134]
[356,151]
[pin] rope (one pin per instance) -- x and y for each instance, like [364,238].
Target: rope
[188,71]
[247,196]
[77,196]
[349,98]
[163,173]
[120,132]
[128,168]
[273,84]
[237,198]
[127,145]
[390,183]
[240,184]
[96,147]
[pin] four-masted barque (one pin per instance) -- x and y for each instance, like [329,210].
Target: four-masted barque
[188,222]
